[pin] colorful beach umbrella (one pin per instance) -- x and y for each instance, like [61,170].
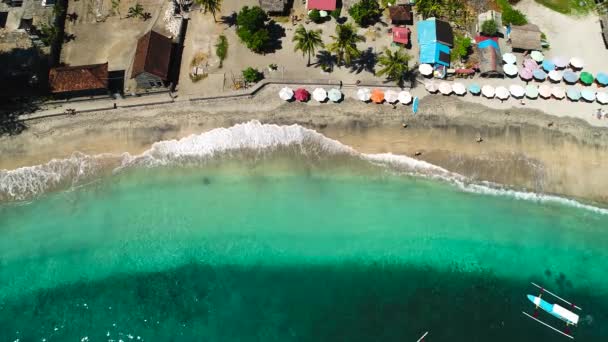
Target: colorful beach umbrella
[334,94]
[488,91]
[431,86]
[364,94]
[525,74]
[558,92]
[319,94]
[286,94]
[391,96]
[548,65]
[602,78]
[602,98]
[377,96]
[425,69]
[404,97]
[560,62]
[459,88]
[544,91]
[570,77]
[539,75]
[445,88]
[588,95]
[502,93]
[586,78]
[531,91]
[302,95]
[573,93]
[415,105]
[537,56]
[517,90]
[509,58]
[474,88]
[577,62]
[555,75]
[530,64]
[510,69]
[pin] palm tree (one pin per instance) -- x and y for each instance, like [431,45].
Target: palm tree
[307,41]
[428,8]
[212,6]
[136,11]
[394,65]
[345,43]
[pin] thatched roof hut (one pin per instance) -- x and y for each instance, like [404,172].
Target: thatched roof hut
[526,37]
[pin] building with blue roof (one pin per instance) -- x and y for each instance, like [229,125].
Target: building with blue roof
[435,38]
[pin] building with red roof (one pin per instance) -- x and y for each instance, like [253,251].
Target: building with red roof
[321,5]
[401,35]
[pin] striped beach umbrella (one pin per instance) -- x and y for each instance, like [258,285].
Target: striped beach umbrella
[586,78]
[539,75]
[602,78]
[573,94]
[602,98]
[548,65]
[588,95]
[570,77]
[531,91]
[474,88]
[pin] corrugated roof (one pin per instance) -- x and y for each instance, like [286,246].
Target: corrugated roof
[525,37]
[153,55]
[325,5]
[78,78]
[273,5]
[400,12]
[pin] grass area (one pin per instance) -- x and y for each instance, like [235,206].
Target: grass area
[569,6]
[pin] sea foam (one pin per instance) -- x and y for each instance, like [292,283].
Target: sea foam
[32,181]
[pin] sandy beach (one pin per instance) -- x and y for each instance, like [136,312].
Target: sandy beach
[522,148]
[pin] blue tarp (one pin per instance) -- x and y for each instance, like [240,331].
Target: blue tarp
[488,42]
[430,49]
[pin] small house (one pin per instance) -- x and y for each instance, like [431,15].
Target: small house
[401,35]
[435,38]
[525,37]
[489,15]
[152,59]
[79,80]
[276,7]
[490,58]
[321,5]
[401,14]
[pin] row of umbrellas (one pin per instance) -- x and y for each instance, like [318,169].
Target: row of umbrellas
[335,95]
[379,96]
[530,91]
[567,75]
[547,64]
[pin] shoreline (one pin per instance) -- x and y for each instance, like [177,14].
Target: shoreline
[519,149]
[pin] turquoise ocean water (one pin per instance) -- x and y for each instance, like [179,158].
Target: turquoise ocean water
[296,244]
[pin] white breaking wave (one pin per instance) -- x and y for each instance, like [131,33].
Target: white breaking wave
[28,182]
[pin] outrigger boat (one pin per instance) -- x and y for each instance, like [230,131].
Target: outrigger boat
[555,310]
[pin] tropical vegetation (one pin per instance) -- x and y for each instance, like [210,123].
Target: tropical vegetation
[429,8]
[461,48]
[315,16]
[221,49]
[211,6]
[252,75]
[345,43]
[511,15]
[395,65]
[252,28]
[489,27]
[365,12]
[307,41]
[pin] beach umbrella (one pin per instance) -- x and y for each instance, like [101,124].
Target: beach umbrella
[334,94]
[530,64]
[286,94]
[560,62]
[602,78]
[558,92]
[588,95]
[555,75]
[510,69]
[364,94]
[502,93]
[602,98]
[377,96]
[474,88]
[445,88]
[517,90]
[509,58]
[577,62]
[415,105]
[537,56]
[319,94]
[488,91]
[525,74]
[539,75]
[459,88]
[404,97]
[431,86]
[570,76]
[586,78]
[531,91]
[302,94]
[548,65]
[544,91]
[391,96]
[573,93]
[425,69]
[323,14]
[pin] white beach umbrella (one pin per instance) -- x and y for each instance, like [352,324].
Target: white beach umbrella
[555,75]
[323,14]
[560,62]
[334,95]
[425,69]
[537,56]
[459,88]
[577,62]
[602,98]
[509,58]
[319,94]
[431,86]
[286,94]
[544,91]
[364,94]
[510,69]
[558,92]
[531,91]
[488,91]
[502,93]
[517,90]
[404,97]
[391,96]
[445,88]
[588,95]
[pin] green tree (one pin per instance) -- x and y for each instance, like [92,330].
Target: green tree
[365,12]
[489,27]
[136,11]
[307,41]
[395,65]
[221,49]
[252,28]
[345,43]
[315,16]
[461,48]
[212,6]
[511,15]
[429,8]
[252,75]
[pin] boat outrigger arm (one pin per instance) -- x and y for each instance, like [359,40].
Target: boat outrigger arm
[555,310]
